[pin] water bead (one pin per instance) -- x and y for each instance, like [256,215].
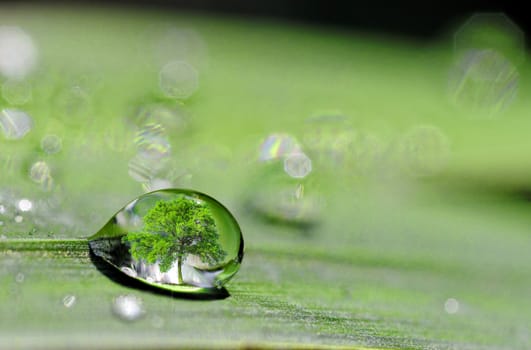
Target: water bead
[128,307]
[172,117]
[51,144]
[18,54]
[491,31]
[483,81]
[16,92]
[329,139]
[178,80]
[15,124]
[278,145]
[40,173]
[69,301]
[425,150]
[25,205]
[298,165]
[152,142]
[173,239]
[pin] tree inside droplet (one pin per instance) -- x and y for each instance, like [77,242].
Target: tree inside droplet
[173,239]
[174,230]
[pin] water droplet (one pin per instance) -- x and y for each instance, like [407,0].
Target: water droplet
[491,31]
[40,173]
[51,144]
[69,301]
[15,123]
[163,43]
[451,306]
[178,80]
[25,204]
[18,219]
[483,81]
[276,146]
[16,92]
[178,240]
[426,151]
[298,165]
[128,307]
[172,117]
[152,141]
[19,278]
[2,209]
[18,53]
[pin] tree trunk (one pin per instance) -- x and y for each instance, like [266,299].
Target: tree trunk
[179,271]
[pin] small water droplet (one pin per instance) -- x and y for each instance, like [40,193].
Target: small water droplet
[2,209]
[25,204]
[18,219]
[451,306]
[128,307]
[51,144]
[15,123]
[425,150]
[16,92]
[19,278]
[40,173]
[276,146]
[329,138]
[152,141]
[484,82]
[178,80]
[178,240]
[69,301]
[298,165]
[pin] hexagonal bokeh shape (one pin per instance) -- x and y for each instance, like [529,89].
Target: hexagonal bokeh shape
[491,31]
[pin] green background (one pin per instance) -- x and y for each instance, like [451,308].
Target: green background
[388,250]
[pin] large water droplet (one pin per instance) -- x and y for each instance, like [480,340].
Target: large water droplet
[177,240]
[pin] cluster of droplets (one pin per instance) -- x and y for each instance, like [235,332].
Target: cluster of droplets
[284,190]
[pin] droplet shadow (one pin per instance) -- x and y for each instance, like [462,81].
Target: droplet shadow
[119,277]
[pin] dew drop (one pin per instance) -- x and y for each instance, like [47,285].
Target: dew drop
[15,123]
[18,219]
[483,81]
[451,306]
[425,150]
[173,239]
[25,204]
[51,144]
[69,301]
[16,92]
[329,139]
[128,307]
[19,278]
[276,146]
[40,173]
[178,80]
[298,165]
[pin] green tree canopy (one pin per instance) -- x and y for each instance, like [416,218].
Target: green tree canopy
[172,230]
